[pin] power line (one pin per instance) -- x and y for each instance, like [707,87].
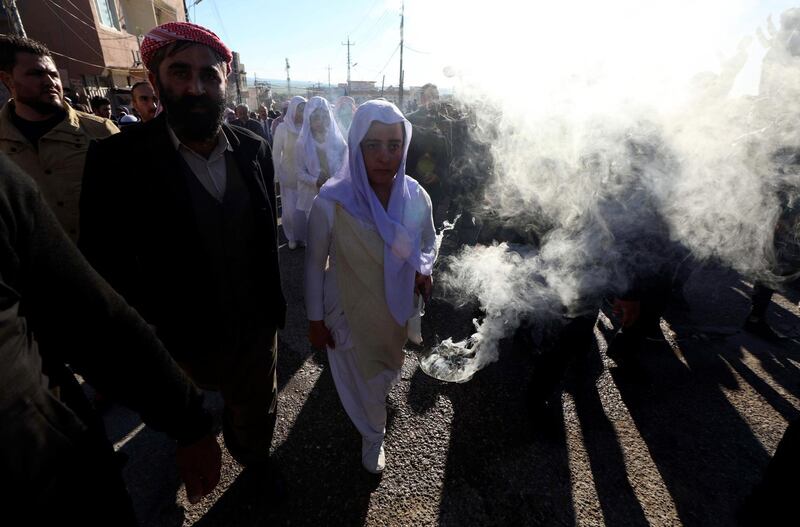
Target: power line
[76,34]
[91,26]
[221,24]
[376,29]
[390,59]
[78,9]
[365,17]
[96,65]
[371,34]
[409,48]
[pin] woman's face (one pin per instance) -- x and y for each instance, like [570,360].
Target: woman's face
[298,114]
[382,148]
[319,121]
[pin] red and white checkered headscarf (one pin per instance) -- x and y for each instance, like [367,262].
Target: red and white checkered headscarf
[166,34]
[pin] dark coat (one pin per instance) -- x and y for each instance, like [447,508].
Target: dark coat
[49,295]
[253,125]
[141,233]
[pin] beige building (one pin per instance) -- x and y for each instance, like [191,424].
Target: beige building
[95,43]
[363,91]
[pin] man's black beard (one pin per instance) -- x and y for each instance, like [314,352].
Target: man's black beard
[42,107]
[189,124]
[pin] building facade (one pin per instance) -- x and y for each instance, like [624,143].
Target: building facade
[95,43]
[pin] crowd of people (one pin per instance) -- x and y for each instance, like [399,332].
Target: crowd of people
[166,268]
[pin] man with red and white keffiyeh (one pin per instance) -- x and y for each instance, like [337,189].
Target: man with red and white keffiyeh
[187,233]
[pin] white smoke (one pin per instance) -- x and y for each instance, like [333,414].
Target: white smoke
[628,154]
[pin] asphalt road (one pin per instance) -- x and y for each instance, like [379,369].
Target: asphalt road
[678,437]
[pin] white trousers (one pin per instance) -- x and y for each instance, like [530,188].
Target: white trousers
[363,400]
[293,220]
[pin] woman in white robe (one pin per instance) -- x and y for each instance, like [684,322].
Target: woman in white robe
[344,109]
[283,159]
[371,248]
[321,151]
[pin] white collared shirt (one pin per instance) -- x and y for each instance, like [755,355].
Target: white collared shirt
[212,172]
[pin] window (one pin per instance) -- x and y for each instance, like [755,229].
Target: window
[107,11]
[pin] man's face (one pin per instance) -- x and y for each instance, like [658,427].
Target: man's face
[429,96]
[104,110]
[382,148]
[241,114]
[145,102]
[191,85]
[34,82]
[262,113]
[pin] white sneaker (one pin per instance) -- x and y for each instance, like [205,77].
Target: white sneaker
[292,245]
[372,456]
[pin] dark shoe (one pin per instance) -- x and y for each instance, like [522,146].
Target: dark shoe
[760,328]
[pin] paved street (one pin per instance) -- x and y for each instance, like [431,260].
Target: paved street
[679,437]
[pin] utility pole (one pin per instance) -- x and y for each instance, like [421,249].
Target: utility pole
[348,44]
[402,19]
[288,78]
[330,92]
[238,77]
[13,18]
[258,90]
[383,80]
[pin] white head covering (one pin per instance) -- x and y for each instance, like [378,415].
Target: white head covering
[289,119]
[334,145]
[402,253]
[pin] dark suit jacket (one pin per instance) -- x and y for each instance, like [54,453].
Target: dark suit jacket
[251,124]
[141,234]
[49,295]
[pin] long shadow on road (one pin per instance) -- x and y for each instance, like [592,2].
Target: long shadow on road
[618,501]
[705,452]
[493,475]
[320,460]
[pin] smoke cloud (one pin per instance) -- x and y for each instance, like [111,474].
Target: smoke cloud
[627,152]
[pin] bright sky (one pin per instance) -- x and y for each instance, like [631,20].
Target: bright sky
[502,43]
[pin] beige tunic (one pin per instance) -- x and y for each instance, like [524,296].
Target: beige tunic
[377,338]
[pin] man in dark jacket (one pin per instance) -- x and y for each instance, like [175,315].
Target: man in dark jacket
[187,233]
[56,467]
[244,120]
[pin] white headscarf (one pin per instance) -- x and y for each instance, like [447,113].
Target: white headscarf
[289,119]
[403,255]
[335,146]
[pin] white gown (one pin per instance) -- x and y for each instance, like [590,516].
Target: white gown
[364,400]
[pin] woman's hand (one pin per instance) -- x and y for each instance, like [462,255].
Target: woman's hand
[423,285]
[319,336]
